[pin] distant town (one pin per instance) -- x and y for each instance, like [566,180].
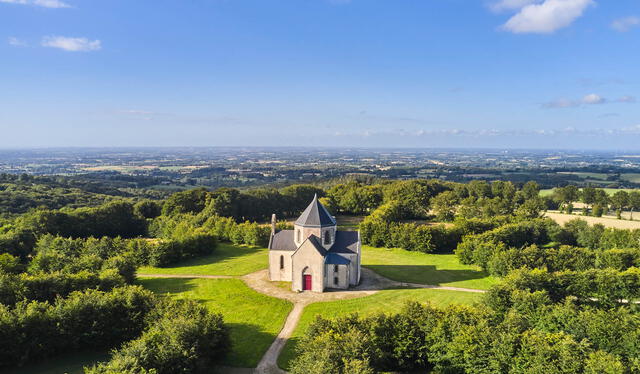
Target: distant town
[180,168]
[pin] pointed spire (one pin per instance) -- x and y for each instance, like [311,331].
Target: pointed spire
[316,215]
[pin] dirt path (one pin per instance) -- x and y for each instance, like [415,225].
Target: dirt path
[269,362]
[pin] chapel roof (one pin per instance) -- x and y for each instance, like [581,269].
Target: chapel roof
[316,215]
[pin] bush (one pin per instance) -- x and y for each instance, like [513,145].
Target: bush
[85,320]
[10,264]
[170,252]
[49,286]
[185,339]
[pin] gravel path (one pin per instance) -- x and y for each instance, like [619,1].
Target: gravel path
[269,362]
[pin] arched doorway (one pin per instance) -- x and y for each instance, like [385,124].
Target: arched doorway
[306,279]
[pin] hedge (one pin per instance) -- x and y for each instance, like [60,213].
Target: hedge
[89,319]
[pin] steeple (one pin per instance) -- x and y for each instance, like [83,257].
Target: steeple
[316,215]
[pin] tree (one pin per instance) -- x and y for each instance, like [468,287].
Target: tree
[567,195]
[147,209]
[588,198]
[444,205]
[531,190]
[634,202]
[601,202]
[619,202]
[191,201]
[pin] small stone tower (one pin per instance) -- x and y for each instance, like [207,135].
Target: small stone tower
[315,220]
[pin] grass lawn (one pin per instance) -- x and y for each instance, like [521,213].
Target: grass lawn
[417,267]
[254,319]
[70,363]
[388,301]
[227,259]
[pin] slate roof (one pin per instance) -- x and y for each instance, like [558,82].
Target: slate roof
[316,215]
[283,241]
[346,242]
[335,259]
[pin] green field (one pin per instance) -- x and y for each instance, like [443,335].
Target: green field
[388,301]
[631,177]
[417,267]
[254,319]
[228,259]
[586,175]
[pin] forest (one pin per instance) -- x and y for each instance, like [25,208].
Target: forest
[567,301]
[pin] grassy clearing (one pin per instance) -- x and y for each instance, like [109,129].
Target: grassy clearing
[71,364]
[388,301]
[609,191]
[417,267]
[607,221]
[254,319]
[228,259]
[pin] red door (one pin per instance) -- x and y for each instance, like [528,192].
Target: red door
[306,280]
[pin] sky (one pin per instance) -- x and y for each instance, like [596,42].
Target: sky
[365,73]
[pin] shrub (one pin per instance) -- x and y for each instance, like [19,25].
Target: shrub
[85,320]
[185,339]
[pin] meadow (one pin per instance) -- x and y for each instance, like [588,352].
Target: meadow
[431,269]
[228,259]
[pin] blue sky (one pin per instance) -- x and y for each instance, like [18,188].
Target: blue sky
[414,73]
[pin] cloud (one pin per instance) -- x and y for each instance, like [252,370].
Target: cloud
[41,3]
[483,133]
[16,42]
[504,5]
[560,103]
[71,44]
[547,17]
[625,24]
[627,99]
[592,99]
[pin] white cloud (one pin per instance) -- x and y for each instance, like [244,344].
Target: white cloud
[593,99]
[504,5]
[16,42]
[590,99]
[41,3]
[71,44]
[627,99]
[547,17]
[625,24]
[51,4]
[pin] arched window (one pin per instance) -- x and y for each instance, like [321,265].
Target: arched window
[327,237]
[281,262]
[298,235]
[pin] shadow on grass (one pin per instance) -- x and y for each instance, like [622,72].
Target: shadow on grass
[72,363]
[167,285]
[249,344]
[426,274]
[288,353]
[223,252]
